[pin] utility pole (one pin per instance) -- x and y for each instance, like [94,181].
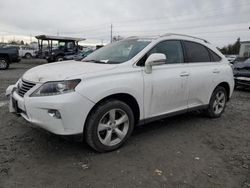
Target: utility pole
[111,33]
[30,38]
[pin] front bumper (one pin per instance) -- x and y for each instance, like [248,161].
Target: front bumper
[242,81]
[73,108]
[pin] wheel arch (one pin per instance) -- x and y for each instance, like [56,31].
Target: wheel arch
[28,53]
[227,88]
[124,97]
[60,55]
[5,56]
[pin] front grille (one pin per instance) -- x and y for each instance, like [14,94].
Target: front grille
[24,86]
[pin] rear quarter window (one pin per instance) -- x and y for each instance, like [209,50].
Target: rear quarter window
[196,52]
[214,57]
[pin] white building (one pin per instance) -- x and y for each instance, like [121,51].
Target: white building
[245,49]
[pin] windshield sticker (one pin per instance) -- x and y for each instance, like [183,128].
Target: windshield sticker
[104,61]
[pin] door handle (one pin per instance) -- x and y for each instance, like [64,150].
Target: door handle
[183,74]
[216,71]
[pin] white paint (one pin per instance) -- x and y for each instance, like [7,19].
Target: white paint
[63,70]
[169,88]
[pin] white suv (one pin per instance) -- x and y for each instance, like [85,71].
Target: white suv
[134,81]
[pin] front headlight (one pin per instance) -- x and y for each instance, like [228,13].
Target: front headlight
[56,88]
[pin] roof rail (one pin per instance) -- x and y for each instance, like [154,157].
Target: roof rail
[169,34]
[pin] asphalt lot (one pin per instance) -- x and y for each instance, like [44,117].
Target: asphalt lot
[185,151]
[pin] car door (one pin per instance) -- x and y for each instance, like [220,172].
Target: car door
[203,70]
[165,89]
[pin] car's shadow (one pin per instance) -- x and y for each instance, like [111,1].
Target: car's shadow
[48,142]
[243,89]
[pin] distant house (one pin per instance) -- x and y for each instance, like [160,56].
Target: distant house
[245,49]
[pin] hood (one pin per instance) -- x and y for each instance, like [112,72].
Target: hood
[63,70]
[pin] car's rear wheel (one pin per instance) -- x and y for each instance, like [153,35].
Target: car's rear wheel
[28,56]
[109,125]
[4,63]
[59,58]
[217,102]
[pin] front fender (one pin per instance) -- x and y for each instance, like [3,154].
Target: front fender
[98,88]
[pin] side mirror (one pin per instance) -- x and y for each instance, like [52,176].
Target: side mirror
[153,60]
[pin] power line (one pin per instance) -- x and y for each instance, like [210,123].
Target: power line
[111,33]
[96,28]
[100,27]
[180,15]
[175,28]
[177,22]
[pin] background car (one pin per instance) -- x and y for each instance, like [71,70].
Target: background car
[79,56]
[26,52]
[65,46]
[242,73]
[8,55]
[231,58]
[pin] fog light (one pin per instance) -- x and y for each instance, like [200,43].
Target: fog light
[54,113]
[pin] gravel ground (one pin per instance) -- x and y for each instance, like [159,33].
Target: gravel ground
[185,151]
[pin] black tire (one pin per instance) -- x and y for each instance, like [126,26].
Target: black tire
[28,56]
[49,61]
[91,132]
[4,63]
[59,58]
[211,110]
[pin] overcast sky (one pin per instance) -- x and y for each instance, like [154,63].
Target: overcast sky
[220,21]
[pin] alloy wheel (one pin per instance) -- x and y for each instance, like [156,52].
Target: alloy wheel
[113,127]
[219,102]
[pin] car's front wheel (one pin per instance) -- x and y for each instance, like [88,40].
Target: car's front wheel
[217,102]
[4,63]
[109,125]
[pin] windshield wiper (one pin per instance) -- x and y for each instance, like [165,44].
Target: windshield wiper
[102,61]
[95,61]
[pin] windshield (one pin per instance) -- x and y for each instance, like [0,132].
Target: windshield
[118,52]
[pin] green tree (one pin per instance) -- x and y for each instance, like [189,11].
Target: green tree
[231,48]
